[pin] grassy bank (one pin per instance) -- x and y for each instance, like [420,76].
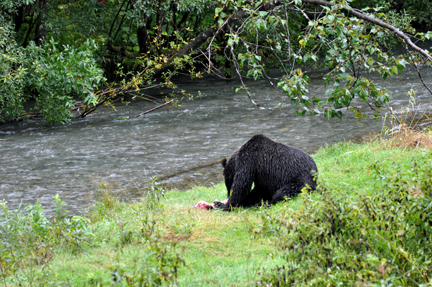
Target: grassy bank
[369,225]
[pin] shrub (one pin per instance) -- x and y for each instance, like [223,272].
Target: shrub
[55,78]
[376,240]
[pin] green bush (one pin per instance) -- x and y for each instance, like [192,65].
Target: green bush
[139,224]
[382,239]
[55,78]
[12,74]
[59,75]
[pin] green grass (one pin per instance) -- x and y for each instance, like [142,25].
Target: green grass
[218,247]
[198,247]
[346,166]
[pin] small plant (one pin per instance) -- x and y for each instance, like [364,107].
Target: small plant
[140,223]
[158,266]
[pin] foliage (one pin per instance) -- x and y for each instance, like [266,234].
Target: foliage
[161,261]
[29,241]
[160,264]
[352,53]
[132,41]
[149,42]
[11,75]
[54,78]
[71,23]
[56,83]
[381,239]
[419,10]
[328,38]
[51,83]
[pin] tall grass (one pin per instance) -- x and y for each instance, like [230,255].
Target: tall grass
[405,128]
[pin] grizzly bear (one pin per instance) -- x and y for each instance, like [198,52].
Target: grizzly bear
[277,171]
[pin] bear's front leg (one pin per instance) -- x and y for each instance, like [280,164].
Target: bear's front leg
[221,204]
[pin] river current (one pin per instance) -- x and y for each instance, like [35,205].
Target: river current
[39,161]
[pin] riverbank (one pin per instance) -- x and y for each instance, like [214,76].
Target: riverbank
[370,223]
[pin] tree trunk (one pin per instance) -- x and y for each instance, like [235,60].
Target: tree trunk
[18,18]
[143,39]
[40,30]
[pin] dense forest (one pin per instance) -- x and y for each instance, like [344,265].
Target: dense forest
[63,59]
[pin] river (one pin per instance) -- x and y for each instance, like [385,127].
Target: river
[74,160]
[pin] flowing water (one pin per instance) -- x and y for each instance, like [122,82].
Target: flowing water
[39,161]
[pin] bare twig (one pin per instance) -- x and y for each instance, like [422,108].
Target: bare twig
[188,170]
[158,107]
[237,68]
[418,71]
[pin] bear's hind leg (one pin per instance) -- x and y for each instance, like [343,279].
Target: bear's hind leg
[287,191]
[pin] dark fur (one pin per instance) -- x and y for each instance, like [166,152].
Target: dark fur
[277,170]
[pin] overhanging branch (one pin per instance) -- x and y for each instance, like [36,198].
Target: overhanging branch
[375,21]
[241,14]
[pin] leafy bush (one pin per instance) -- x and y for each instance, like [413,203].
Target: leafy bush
[12,74]
[57,75]
[54,78]
[383,239]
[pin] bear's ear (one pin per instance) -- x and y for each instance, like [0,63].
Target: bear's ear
[223,162]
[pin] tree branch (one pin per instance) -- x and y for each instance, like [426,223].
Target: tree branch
[241,14]
[372,20]
[155,108]
[193,45]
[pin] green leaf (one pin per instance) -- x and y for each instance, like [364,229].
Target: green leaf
[379,57]
[329,19]
[403,62]
[303,42]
